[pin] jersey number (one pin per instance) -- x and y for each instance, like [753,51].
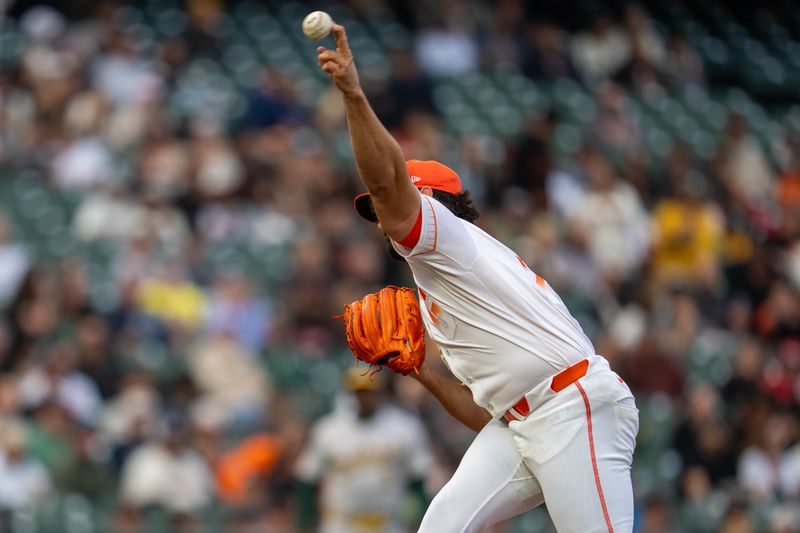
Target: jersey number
[539,279]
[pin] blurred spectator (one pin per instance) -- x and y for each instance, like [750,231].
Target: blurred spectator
[505,33]
[172,297]
[167,472]
[644,68]
[567,186]
[362,457]
[766,469]
[14,263]
[614,220]
[742,392]
[410,90]
[57,379]
[43,23]
[530,162]
[9,397]
[24,481]
[786,151]
[165,168]
[108,214]
[687,237]
[777,317]
[682,174]
[787,190]
[547,53]
[123,78]
[229,377]
[50,438]
[643,36]
[96,359]
[784,519]
[238,471]
[567,260]
[224,220]
[88,474]
[744,167]
[600,51]
[82,164]
[702,507]
[737,520]
[657,516]
[235,310]
[272,102]
[166,223]
[702,439]
[614,127]
[782,374]
[640,74]
[678,323]
[683,64]
[203,33]
[445,48]
[421,136]
[131,416]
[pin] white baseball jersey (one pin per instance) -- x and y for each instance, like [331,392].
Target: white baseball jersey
[364,467]
[500,327]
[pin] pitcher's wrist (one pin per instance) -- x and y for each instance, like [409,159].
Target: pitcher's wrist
[354,94]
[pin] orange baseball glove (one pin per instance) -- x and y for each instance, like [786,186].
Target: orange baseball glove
[385,329]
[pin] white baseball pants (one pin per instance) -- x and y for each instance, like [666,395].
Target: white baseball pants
[573,451]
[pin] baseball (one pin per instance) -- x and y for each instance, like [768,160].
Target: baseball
[317,25]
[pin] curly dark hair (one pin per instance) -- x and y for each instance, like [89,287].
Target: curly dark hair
[461,205]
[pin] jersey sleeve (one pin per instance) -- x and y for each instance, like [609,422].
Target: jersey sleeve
[439,238]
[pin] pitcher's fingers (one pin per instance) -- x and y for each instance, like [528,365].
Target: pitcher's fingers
[329,67]
[329,55]
[340,36]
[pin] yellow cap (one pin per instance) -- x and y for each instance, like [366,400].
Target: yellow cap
[360,378]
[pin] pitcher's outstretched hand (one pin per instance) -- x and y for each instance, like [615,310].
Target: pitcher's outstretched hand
[339,65]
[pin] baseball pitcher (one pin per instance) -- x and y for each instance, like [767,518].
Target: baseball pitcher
[556,424]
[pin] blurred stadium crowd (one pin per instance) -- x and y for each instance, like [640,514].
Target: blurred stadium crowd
[176,231]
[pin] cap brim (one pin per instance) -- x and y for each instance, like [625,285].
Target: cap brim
[363,205]
[360,387]
[356,380]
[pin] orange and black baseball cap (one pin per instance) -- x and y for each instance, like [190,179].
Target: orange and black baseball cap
[423,174]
